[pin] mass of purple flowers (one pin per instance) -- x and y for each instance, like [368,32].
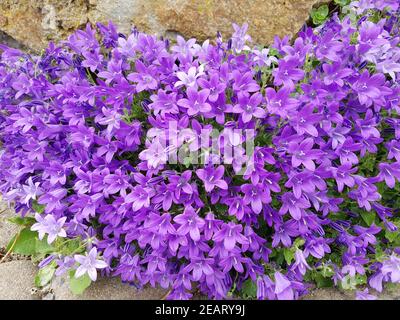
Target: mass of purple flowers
[78,136]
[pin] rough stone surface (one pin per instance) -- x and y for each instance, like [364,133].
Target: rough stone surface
[329,294]
[105,289]
[34,23]
[16,280]
[7,229]
[336,294]
[9,41]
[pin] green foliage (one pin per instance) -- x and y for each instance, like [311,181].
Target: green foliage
[27,243]
[78,285]
[288,253]
[368,164]
[368,217]
[37,207]
[325,270]
[249,289]
[321,281]
[320,15]
[342,3]
[45,275]
[22,221]
[392,236]
[351,283]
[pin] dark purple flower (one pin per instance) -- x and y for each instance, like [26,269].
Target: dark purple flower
[212,177]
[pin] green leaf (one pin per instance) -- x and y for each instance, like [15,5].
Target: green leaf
[298,242]
[368,163]
[249,289]
[342,3]
[78,285]
[326,270]
[22,221]
[368,217]
[360,279]
[45,275]
[41,246]
[348,283]
[289,255]
[72,246]
[28,243]
[273,52]
[391,236]
[321,281]
[320,15]
[221,209]
[37,207]
[25,243]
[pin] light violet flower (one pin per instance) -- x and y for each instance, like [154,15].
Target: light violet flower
[31,190]
[50,226]
[89,264]
[189,79]
[283,289]
[364,295]
[391,267]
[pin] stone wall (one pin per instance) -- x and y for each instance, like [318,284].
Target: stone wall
[34,22]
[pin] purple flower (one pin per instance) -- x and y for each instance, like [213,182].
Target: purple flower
[394,150]
[230,234]
[364,295]
[283,233]
[343,176]
[300,263]
[145,77]
[50,226]
[391,267]
[303,153]
[301,183]
[295,206]
[215,86]
[196,101]
[88,130]
[283,289]
[328,47]
[262,58]
[287,73]
[255,196]
[140,197]
[389,172]
[31,190]
[280,102]
[212,177]
[89,264]
[368,88]
[181,183]
[22,85]
[317,247]
[244,82]
[346,152]
[305,120]
[240,37]
[367,234]
[200,267]
[164,103]
[190,222]
[189,79]
[248,107]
